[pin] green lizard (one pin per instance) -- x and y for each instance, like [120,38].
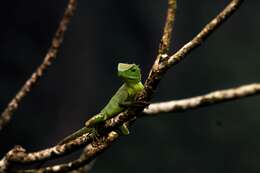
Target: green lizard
[124,97]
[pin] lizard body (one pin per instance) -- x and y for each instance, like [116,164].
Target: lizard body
[123,98]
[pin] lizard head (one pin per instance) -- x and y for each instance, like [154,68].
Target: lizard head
[129,72]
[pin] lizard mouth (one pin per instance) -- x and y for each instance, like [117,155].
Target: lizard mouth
[127,77]
[132,78]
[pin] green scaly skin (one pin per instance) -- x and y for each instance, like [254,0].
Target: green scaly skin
[124,97]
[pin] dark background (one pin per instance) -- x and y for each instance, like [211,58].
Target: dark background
[221,138]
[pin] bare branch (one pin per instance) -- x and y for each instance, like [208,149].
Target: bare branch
[4,164]
[48,59]
[205,32]
[166,37]
[168,27]
[86,168]
[203,100]
[90,152]
[19,154]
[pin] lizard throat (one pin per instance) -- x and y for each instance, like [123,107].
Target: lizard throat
[134,88]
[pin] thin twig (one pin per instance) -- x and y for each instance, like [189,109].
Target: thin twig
[203,100]
[48,59]
[204,33]
[167,35]
[168,27]
[86,168]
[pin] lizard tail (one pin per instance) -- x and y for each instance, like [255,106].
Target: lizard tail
[74,135]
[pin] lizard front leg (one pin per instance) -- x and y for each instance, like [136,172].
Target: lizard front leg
[127,104]
[124,129]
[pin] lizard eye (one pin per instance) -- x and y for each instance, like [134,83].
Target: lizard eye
[133,70]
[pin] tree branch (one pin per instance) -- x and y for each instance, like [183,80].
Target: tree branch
[204,100]
[19,154]
[86,168]
[168,27]
[48,59]
[166,37]
[88,155]
[204,33]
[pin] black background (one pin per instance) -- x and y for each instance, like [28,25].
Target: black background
[221,138]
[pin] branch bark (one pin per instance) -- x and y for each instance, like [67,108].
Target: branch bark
[203,100]
[87,156]
[168,27]
[204,33]
[19,155]
[48,59]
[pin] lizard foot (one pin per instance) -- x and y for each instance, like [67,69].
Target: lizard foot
[140,104]
[134,104]
[96,137]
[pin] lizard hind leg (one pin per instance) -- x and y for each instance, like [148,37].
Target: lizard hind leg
[95,135]
[93,123]
[95,120]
